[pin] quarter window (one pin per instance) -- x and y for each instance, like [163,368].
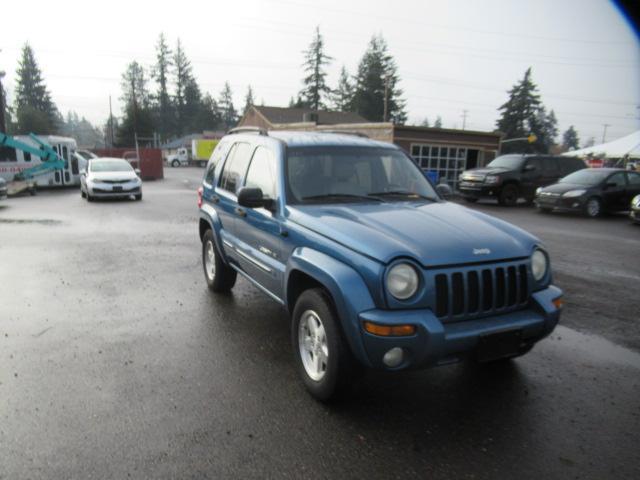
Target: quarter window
[634,179]
[262,172]
[235,167]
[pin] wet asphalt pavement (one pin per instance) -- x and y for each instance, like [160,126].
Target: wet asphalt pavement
[117,362]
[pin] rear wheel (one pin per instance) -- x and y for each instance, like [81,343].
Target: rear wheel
[593,207]
[175,163]
[219,277]
[323,358]
[509,195]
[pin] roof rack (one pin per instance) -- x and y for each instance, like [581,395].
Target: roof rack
[258,130]
[345,132]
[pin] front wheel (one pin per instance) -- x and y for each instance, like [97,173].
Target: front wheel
[508,196]
[593,207]
[219,277]
[138,196]
[323,358]
[175,163]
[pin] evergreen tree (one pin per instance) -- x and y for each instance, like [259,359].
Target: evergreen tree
[182,78]
[315,89]
[425,122]
[248,99]
[377,74]
[228,114]
[34,109]
[137,118]
[524,114]
[343,94]
[438,122]
[162,108]
[570,139]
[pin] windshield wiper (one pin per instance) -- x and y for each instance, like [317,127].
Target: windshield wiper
[403,193]
[342,195]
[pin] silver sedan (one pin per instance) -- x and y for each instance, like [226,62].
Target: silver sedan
[110,177]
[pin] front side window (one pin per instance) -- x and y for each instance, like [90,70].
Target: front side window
[235,167]
[335,174]
[262,173]
[617,179]
[634,179]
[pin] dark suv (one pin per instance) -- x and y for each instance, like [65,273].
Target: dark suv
[510,177]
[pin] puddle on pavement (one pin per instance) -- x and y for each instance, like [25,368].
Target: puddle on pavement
[597,348]
[37,221]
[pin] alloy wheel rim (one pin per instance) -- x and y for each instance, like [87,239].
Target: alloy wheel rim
[593,208]
[313,346]
[210,261]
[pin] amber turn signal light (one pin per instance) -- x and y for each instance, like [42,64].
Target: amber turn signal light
[390,330]
[558,302]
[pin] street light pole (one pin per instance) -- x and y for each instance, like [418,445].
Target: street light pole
[604,132]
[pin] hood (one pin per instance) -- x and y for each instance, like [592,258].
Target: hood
[113,175]
[564,187]
[433,234]
[480,173]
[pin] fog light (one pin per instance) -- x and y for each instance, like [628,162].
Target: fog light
[393,357]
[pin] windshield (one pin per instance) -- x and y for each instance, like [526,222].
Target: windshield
[338,174]
[512,162]
[110,166]
[586,176]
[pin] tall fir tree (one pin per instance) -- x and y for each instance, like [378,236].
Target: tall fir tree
[228,114]
[34,110]
[524,114]
[315,91]
[438,122]
[137,119]
[343,94]
[377,77]
[425,122]
[163,111]
[570,140]
[248,99]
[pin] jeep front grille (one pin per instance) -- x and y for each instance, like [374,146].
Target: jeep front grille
[478,291]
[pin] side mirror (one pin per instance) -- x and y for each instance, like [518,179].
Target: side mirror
[252,198]
[137,170]
[444,190]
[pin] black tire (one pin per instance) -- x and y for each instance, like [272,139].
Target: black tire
[593,207]
[509,195]
[544,209]
[340,367]
[223,278]
[139,196]
[175,163]
[82,194]
[529,200]
[471,199]
[89,198]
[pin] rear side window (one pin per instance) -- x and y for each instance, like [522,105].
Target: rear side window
[262,172]
[235,167]
[634,179]
[550,165]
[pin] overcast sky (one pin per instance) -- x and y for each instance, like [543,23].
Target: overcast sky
[451,55]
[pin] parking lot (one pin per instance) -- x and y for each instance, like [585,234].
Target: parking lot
[116,361]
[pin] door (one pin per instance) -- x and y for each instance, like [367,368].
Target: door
[550,173]
[224,197]
[531,177]
[614,191]
[258,229]
[633,187]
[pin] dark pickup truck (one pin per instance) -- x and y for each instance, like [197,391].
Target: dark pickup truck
[510,177]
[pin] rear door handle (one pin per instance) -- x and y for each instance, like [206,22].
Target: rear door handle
[241,212]
[215,199]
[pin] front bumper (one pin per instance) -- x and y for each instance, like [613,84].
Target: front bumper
[634,215]
[478,190]
[437,343]
[571,204]
[103,191]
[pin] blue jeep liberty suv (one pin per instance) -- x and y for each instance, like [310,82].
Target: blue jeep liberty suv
[374,267]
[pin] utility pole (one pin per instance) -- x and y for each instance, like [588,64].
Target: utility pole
[110,123]
[604,132]
[385,116]
[3,124]
[464,118]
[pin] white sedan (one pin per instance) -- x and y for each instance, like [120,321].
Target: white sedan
[110,177]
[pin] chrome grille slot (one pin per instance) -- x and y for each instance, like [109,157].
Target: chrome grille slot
[470,292]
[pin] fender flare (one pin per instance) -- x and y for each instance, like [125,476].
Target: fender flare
[347,288]
[210,216]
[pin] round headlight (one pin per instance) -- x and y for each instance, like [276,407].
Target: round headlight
[538,265]
[402,281]
[636,201]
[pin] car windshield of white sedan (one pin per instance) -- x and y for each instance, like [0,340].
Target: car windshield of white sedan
[110,166]
[587,176]
[339,174]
